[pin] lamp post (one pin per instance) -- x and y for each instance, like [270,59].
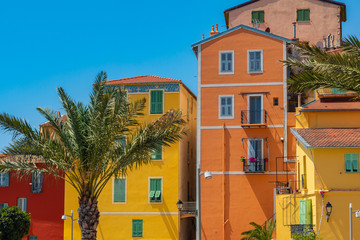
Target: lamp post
[207,175]
[179,205]
[71,216]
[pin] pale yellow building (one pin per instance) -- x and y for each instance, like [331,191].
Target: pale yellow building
[142,205]
[327,149]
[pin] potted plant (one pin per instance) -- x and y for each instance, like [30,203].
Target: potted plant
[242,159]
[252,159]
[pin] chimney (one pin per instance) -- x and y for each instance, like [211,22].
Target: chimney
[58,114]
[217,29]
[203,37]
[212,33]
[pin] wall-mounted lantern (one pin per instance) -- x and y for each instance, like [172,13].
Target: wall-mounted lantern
[328,211]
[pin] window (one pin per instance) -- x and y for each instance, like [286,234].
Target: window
[137,227]
[226,62]
[22,202]
[2,205]
[255,59]
[122,141]
[303,15]
[37,182]
[119,190]
[4,179]
[255,155]
[276,101]
[155,190]
[257,17]
[255,113]
[156,102]
[156,154]
[305,211]
[351,162]
[32,237]
[337,91]
[226,106]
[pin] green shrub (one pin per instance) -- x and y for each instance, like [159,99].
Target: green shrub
[14,223]
[306,236]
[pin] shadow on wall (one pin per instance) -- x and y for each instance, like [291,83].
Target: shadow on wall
[169,222]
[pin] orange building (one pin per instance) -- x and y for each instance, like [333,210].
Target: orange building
[316,21]
[243,121]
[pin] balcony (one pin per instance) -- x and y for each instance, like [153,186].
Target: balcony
[188,210]
[253,118]
[250,166]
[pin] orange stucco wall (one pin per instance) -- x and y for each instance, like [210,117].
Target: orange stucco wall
[233,198]
[280,15]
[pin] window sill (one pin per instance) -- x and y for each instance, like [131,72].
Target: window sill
[226,73]
[256,72]
[232,117]
[119,203]
[303,21]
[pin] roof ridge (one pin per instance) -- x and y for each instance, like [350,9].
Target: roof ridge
[142,76]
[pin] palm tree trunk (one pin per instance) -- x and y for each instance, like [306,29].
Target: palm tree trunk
[88,218]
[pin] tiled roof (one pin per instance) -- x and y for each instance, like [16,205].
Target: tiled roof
[47,124]
[318,106]
[254,1]
[328,137]
[143,79]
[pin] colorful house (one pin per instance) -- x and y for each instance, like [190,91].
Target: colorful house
[244,117]
[42,197]
[316,21]
[327,146]
[143,203]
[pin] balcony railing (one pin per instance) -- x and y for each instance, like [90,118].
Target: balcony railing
[188,207]
[323,92]
[250,165]
[301,229]
[253,117]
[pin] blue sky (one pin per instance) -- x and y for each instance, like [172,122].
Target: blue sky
[45,44]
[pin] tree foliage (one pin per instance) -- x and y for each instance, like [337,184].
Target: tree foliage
[259,232]
[320,68]
[14,223]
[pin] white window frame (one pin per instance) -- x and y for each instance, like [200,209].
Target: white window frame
[2,184]
[162,190]
[113,191]
[261,62]
[233,61]
[22,203]
[262,106]
[233,107]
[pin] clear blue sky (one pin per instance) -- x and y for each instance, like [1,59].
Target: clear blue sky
[45,44]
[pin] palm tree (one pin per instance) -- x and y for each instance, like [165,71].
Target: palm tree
[319,68]
[86,150]
[259,232]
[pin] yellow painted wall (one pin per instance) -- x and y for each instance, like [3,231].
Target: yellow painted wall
[160,220]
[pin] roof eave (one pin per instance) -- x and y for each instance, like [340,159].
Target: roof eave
[300,138]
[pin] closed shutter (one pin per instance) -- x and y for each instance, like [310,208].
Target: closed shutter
[355,162]
[257,17]
[137,228]
[156,106]
[119,189]
[348,160]
[303,15]
[302,211]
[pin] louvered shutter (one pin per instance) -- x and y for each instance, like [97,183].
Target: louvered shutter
[302,211]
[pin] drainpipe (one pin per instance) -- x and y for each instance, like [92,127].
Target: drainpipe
[198,147]
[285,93]
[223,178]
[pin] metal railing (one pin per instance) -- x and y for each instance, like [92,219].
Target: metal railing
[253,117]
[188,208]
[257,165]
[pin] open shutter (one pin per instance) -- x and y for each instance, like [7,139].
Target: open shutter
[308,211]
[355,162]
[348,160]
[302,211]
[152,189]
[158,190]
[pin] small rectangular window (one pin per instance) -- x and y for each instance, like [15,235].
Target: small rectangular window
[276,101]
[226,107]
[155,190]
[226,62]
[32,237]
[303,15]
[137,227]
[351,162]
[156,102]
[22,203]
[37,183]
[119,190]
[4,179]
[337,91]
[156,154]
[257,17]
[255,61]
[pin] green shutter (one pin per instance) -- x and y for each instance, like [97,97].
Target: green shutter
[156,102]
[122,189]
[137,228]
[308,211]
[156,154]
[303,15]
[302,211]
[348,160]
[155,190]
[119,189]
[355,162]
[257,15]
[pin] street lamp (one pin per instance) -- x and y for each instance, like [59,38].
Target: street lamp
[71,216]
[208,175]
[328,211]
[179,205]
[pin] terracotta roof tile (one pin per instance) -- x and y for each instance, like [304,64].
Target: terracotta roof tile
[143,79]
[331,106]
[328,137]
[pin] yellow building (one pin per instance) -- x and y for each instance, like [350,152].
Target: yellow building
[142,205]
[327,149]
